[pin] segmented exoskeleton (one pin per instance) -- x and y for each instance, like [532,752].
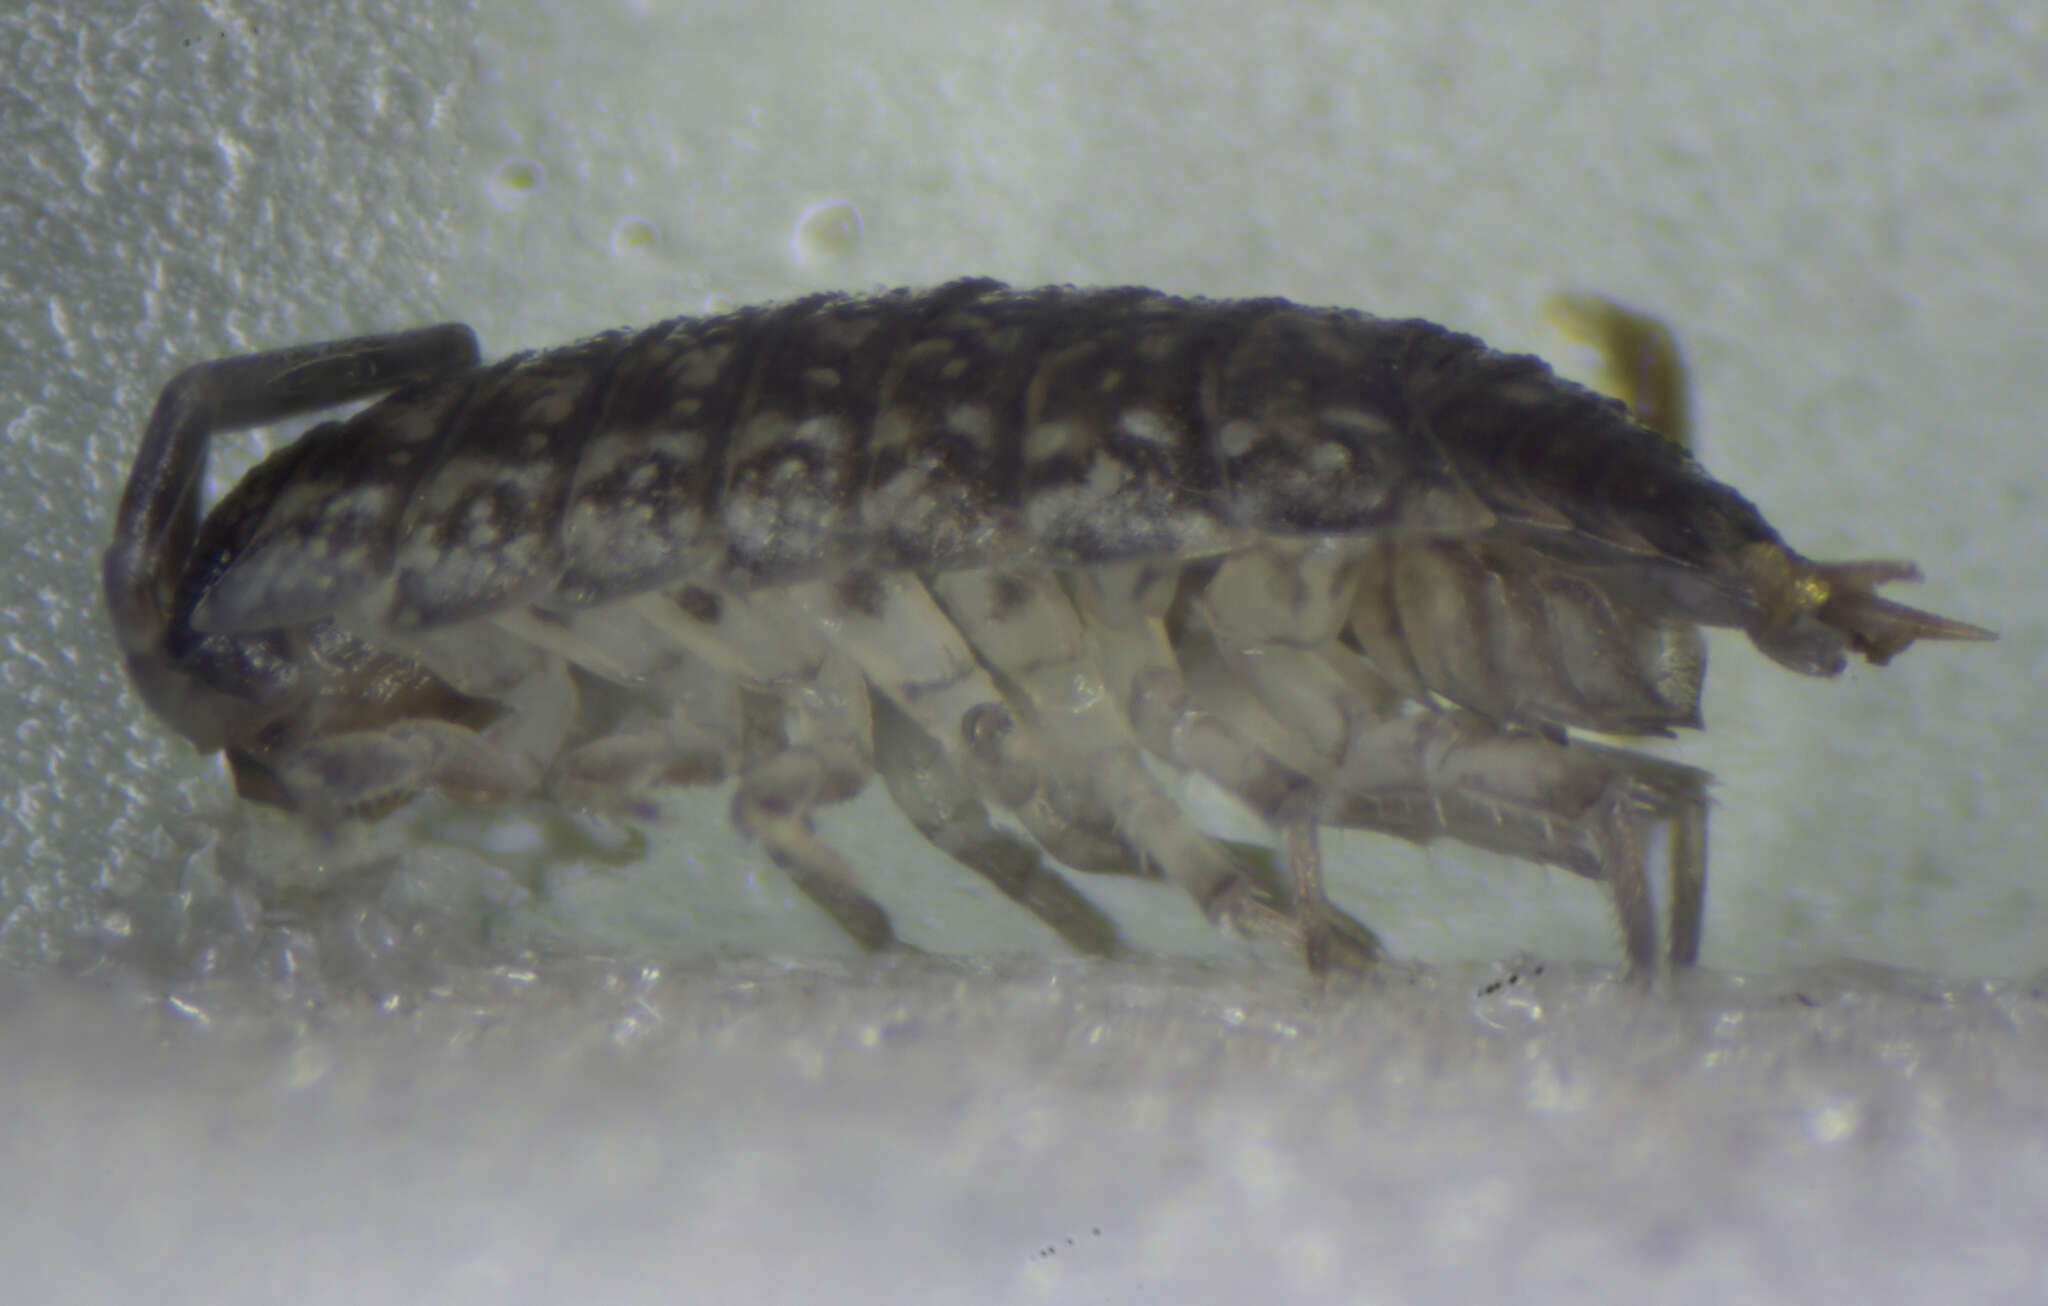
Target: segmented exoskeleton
[993,544]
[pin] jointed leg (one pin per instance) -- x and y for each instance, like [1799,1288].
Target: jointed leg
[1125,609]
[906,645]
[826,756]
[944,808]
[1585,808]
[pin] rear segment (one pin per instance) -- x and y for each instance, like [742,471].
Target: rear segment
[1578,483]
[218,690]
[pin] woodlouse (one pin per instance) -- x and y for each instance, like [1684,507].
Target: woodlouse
[1359,572]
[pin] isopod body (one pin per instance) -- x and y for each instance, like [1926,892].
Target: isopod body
[992,545]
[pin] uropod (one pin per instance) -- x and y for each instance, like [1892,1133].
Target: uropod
[994,546]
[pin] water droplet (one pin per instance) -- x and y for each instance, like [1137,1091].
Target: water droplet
[516,181]
[634,236]
[825,232]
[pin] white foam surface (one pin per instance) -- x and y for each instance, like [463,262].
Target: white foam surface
[1837,209]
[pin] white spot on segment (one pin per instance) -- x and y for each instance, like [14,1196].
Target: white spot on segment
[895,497]
[821,378]
[622,539]
[1144,424]
[892,430]
[702,365]
[1373,426]
[452,483]
[763,431]
[824,432]
[520,552]
[1111,380]
[587,522]
[481,532]
[1238,438]
[1105,476]
[1522,393]
[741,516]
[846,333]
[485,547]
[345,524]
[643,453]
[1052,439]
[1091,512]
[1327,341]
[350,561]
[461,575]
[954,369]
[1158,346]
[1057,511]
[686,447]
[416,424]
[974,422]
[309,502]
[551,402]
[272,587]
[1329,456]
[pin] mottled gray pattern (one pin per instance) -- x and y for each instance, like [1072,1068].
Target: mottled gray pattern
[936,430]
[1354,571]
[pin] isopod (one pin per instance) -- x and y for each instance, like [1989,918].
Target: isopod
[992,545]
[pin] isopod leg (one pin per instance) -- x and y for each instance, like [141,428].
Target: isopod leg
[159,513]
[828,759]
[613,773]
[1023,629]
[1688,882]
[909,648]
[1585,808]
[1125,609]
[946,811]
[1073,671]
[446,746]
[352,773]
[1303,850]
[759,640]
[825,757]
[1350,939]
[1164,712]
[773,808]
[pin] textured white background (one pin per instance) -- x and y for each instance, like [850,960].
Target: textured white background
[1838,208]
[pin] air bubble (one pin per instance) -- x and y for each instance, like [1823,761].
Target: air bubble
[516,181]
[826,231]
[633,236]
